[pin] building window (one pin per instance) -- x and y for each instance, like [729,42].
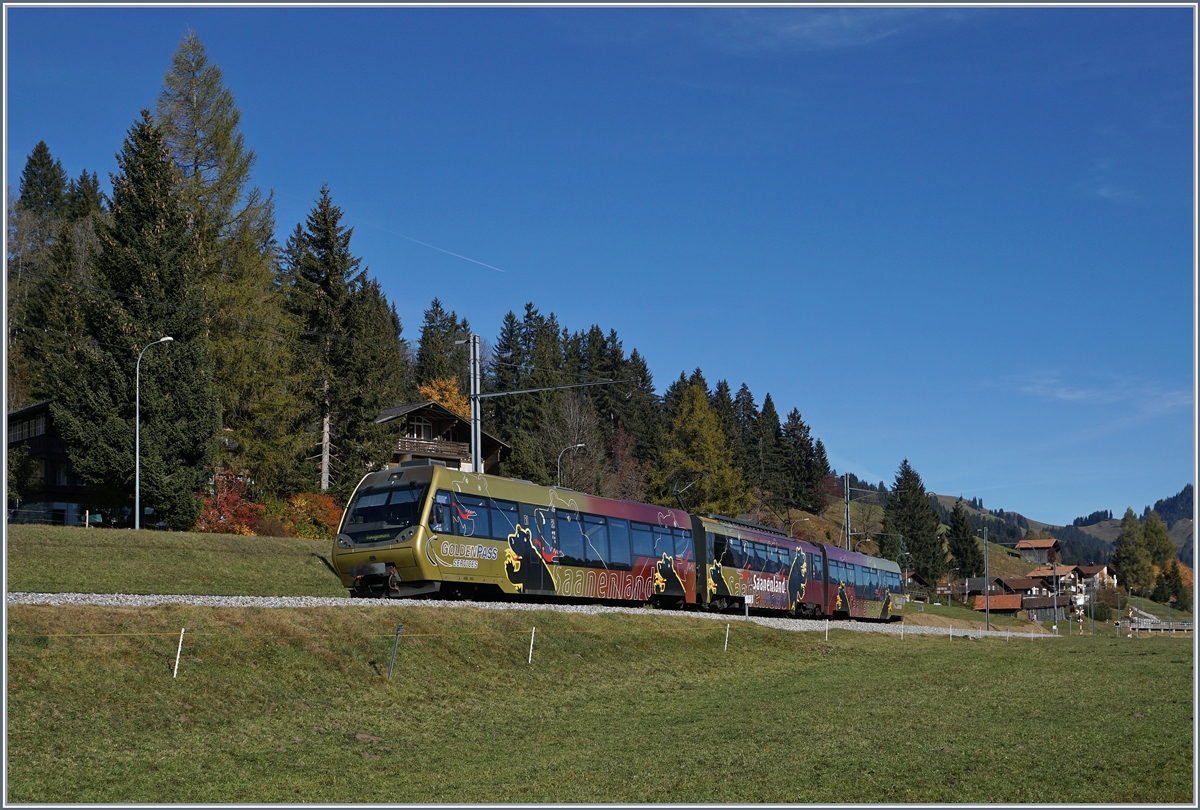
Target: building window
[27,428]
[420,428]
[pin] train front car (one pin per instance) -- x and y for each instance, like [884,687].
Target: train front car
[747,565]
[479,535]
[859,586]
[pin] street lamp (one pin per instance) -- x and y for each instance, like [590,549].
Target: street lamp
[792,525]
[560,454]
[137,434]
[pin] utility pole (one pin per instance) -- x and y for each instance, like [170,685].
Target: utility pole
[476,382]
[987,585]
[846,519]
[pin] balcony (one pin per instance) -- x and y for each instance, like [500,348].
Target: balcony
[433,447]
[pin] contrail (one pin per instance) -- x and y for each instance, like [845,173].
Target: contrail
[443,250]
[409,238]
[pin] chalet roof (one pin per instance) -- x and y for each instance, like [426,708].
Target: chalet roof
[1022,584]
[396,411]
[1037,602]
[1063,571]
[37,407]
[1091,570]
[1047,543]
[436,408]
[998,601]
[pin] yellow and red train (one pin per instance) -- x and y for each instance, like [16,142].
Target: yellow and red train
[423,530]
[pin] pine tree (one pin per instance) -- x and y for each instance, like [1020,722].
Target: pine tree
[149,254]
[1130,559]
[352,345]
[1157,540]
[964,546]
[695,453]
[908,515]
[255,364]
[639,412]
[766,451]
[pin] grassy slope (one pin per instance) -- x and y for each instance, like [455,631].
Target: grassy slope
[57,559]
[294,706]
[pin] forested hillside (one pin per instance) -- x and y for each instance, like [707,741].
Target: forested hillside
[259,414]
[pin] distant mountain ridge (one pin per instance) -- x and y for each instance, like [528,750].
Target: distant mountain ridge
[1088,540]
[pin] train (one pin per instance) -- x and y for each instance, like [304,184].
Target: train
[425,530]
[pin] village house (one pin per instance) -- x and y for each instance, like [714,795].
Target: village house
[1040,551]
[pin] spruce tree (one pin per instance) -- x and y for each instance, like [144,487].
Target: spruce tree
[438,358]
[352,344]
[964,545]
[149,254]
[255,363]
[908,514]
[43,184]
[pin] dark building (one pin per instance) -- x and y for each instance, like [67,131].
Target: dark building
[41,488]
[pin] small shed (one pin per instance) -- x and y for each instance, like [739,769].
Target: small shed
[1006,604]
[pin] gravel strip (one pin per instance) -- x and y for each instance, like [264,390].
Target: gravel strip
[794,625]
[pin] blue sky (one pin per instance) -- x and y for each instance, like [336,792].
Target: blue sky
[958,236]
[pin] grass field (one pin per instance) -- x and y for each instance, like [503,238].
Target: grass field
[295,706]
[57,559]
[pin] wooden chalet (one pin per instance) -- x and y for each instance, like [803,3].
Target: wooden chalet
[430,430]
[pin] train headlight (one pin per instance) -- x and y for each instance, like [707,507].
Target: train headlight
[343,541]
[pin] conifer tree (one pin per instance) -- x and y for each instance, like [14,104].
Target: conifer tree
[964,546]
[352,344]
[695,451]
[438,358]
[255,366]
[639,411]
[908,514]
[1130,559]
[721,402]
[43,184]
[148,253]
[1157,540]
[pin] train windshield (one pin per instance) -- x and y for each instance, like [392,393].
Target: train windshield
[378,514]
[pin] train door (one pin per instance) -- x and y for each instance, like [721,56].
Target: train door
[540,543]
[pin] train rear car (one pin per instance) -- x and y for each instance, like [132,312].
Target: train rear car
[858,586]
[423,529]
[746,565]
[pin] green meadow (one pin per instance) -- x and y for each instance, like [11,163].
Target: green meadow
[295,705]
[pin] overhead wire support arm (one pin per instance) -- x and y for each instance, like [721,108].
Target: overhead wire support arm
[550,388]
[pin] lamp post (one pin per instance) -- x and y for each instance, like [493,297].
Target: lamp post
[560,454]
[137,434]
[792,525]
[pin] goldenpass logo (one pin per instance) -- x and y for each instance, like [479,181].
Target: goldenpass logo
[470,552]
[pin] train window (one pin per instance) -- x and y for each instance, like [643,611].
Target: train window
[760,557]
[683,543]
[570,538]
[643,540]
[663,543]
[504,517]
[718,547]
[469,516]
[815,570]
[378,514]
[733,552]
[595,536]
[618,541]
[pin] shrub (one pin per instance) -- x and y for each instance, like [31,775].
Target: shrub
[227,509]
